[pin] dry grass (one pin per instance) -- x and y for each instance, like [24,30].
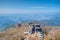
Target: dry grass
[17,33]
[53,33]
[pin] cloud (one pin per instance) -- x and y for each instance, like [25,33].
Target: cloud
[46,18]
[38,7]
[28,11]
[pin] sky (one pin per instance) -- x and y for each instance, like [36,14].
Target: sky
[29,6]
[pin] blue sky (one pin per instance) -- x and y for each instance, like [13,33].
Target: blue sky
[29,6]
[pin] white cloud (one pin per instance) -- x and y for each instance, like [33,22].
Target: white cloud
[38,7]
[45,18]
[28,11]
